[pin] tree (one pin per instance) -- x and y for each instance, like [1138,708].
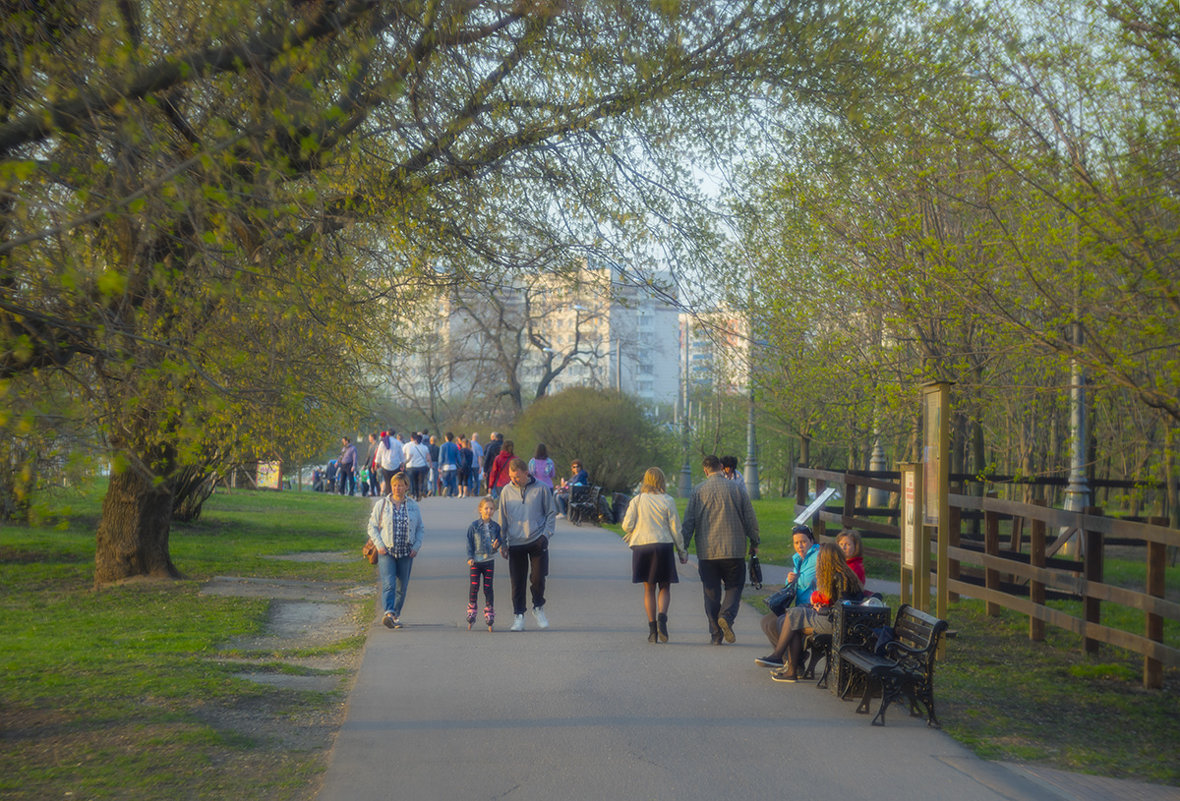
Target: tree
[1002,202]
[210,212]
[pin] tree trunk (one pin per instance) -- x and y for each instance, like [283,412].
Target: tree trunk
[133,533]
[191,487]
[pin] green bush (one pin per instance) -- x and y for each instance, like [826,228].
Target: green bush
[608,431]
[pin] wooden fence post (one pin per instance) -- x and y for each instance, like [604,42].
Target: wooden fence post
[1093,571]
[820,525]
[955,525]
[1157,555]
[1036,589]
[991,547]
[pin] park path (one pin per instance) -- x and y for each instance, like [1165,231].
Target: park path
[588,709]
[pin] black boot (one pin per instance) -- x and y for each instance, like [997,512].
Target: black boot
[663,627]
[652,637]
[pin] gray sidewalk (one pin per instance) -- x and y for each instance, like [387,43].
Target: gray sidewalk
[588,709]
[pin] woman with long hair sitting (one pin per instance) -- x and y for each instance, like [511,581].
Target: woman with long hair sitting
[834,582]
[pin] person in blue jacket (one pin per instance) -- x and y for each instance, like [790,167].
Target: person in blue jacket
[803,563]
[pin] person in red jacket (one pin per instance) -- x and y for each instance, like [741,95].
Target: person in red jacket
[849,543]
[498,477]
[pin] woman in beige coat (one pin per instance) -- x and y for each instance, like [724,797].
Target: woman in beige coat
[652,528]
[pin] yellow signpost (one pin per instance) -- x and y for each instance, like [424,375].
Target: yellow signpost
[915,540]
[936,464]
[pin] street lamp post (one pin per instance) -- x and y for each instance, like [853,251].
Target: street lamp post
[751,472]
[686,470]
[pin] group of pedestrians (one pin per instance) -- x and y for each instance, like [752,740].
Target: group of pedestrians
[449,465]
[517,523]
[721,518]
[516,520]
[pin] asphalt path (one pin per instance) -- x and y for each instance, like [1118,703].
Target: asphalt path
[588,709]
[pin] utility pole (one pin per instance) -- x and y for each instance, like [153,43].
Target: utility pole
[686,470]
[751,472]
[1077,493]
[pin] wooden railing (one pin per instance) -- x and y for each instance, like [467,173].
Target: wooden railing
[1013,576]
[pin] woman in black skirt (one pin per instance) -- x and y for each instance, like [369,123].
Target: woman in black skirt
[652,528]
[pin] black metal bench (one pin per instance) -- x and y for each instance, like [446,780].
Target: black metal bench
[583,505]
[855,624]
[815,648]
[905,669]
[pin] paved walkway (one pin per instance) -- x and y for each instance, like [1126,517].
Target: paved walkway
[588,709]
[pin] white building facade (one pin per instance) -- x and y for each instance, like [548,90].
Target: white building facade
[603,328]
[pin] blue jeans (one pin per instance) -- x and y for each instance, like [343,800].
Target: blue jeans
[347,479]
[395,575]
[416,478]
[450,482]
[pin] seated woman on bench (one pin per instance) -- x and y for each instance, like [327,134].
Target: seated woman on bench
[834,582]
[578,478]
[803,574]
[849,543]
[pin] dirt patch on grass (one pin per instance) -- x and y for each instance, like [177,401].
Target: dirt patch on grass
[309,652]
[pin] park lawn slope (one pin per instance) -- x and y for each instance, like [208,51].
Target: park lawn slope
[134,692]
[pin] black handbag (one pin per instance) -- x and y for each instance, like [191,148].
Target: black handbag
[779,601]
[755,571]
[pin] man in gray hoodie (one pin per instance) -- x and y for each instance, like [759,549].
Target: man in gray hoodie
[721,516]
[526,515]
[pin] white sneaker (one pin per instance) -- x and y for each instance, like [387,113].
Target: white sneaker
[517,623]
[560,516]
[539,614]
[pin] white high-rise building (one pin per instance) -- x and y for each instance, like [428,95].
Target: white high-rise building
[718,350]
[603,327]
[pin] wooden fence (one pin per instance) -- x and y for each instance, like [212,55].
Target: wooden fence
[1012,574]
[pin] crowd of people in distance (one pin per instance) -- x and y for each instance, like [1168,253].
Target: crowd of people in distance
[516,517]
[450,465]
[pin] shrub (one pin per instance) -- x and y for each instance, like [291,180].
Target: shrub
[607,430]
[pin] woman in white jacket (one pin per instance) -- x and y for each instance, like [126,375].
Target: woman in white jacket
[652,527]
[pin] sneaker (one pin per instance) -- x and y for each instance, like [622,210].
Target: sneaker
[560,516]
[716,640]
[517,623]
[769,661]
[539,614]
[726,629]
[784,675]
[387,621]
[397,622]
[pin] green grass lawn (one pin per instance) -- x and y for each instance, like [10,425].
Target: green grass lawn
[123,693]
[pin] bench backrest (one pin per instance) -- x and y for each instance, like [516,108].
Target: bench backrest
[920,631]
